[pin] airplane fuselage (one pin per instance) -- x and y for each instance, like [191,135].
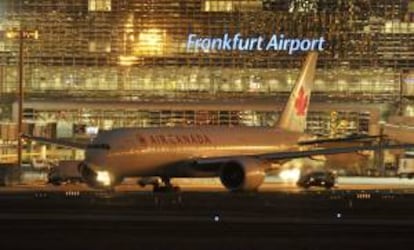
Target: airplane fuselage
[149,151]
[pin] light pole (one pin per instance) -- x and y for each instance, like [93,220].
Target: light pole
[21,34]
[20,101]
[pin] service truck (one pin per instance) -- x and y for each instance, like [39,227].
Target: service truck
[65,172]
[406,168]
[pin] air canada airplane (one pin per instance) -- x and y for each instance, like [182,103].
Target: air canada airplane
[239,156]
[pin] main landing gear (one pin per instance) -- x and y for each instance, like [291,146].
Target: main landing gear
[160,185]
[166,186]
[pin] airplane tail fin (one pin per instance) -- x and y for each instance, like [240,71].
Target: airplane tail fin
[293,116]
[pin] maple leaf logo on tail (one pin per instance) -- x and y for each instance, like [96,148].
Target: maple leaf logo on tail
[301,103]
[293,116]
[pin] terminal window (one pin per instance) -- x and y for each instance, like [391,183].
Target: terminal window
[303,6]
[231,6]
[99,5]
[100,46]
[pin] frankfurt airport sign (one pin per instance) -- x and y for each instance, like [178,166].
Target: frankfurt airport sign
[258,43]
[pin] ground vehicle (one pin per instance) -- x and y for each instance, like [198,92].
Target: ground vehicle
[321,178]
[406,168]
[64,172]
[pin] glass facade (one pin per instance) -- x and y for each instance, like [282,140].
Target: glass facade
[135,48]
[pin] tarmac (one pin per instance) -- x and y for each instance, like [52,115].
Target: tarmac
[204,216]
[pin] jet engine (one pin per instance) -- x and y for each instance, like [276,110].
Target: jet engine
[245,174]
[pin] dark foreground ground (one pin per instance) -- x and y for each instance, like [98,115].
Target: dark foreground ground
[214,220]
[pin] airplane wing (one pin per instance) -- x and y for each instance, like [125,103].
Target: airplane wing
[330,151]
[63,143]
[358,138]
[287,155]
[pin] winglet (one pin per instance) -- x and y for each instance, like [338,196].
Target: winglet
[293,116]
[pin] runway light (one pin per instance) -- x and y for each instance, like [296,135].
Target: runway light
[103,177]
[216,218]
[290,175]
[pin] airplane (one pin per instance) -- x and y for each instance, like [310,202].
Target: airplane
[239,156]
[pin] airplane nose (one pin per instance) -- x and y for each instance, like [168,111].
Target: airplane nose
[97,176]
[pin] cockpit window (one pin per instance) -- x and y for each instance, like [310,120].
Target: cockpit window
[98,146]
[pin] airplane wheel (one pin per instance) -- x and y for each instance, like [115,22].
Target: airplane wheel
[157,189]
[56,183]
[166,189]
[166,186]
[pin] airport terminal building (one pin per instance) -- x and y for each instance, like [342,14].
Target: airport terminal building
[101,64]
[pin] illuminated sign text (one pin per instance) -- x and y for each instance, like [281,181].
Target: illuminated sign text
[259,43]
